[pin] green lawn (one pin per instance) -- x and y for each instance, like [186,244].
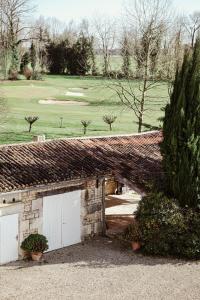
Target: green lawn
[23,100]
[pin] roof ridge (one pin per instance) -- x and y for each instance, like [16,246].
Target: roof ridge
[81,138]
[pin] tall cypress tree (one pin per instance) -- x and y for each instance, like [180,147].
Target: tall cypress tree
[181,129]
[126,56]
[33,56]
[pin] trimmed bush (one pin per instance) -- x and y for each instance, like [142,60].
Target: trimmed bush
[188,244]
[161,223]
[167,229]
[35,243]
[36,76]
[132,233]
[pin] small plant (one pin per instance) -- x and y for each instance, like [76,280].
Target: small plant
[31,121]
[61,122]
[132,233]
[109,119]
[35,243]
[27,73]
[85,125]
[36,76]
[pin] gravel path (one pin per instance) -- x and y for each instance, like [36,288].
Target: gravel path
[100,269]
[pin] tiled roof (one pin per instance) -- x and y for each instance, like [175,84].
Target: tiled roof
[136,158]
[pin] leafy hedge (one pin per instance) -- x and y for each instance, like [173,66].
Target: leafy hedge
[167,229]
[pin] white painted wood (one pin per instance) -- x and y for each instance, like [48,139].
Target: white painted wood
[52,222]
[8,238]
[71,221]
[61,219]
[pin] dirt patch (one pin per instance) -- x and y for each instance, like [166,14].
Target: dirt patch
[117,224]
[59,102]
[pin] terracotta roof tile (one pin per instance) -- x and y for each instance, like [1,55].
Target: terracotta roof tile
[136,158]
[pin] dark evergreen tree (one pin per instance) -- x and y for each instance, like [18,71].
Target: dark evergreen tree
[181,129]
[24,61]
[78,57]
[33,56]
[14,58]
[57,54]
[126,56]
[93,58]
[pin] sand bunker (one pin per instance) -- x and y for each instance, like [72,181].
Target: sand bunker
[75,94]
[79,89]
[58,102]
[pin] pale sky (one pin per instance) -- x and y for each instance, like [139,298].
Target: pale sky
[66,10]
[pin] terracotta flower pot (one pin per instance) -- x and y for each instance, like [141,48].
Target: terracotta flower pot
[26,254]
[36,256]
[135,246]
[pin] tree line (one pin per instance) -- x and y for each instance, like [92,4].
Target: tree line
[151,38]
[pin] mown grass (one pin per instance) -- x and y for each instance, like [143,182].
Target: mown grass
[23,96]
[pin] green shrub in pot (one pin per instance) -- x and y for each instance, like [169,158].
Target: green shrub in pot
[35,244]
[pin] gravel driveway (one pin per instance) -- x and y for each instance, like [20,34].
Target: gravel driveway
[100,269]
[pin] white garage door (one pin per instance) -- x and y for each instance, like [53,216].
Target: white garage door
[61,219]
[8,238]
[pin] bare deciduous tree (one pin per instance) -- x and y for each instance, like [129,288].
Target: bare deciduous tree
[192,25]
[109,119]
[13,26]
[106,36]
[148,20]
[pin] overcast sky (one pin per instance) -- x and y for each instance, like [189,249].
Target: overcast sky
[78,9]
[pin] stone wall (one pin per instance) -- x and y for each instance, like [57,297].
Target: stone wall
[91,207]
[110,186]
[31,206]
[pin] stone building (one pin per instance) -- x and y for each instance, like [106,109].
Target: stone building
[57,188]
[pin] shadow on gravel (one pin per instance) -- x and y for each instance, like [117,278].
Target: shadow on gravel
[97,253]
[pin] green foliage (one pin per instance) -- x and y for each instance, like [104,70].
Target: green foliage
[14,59]
[35,243]
[188,243]
[160,223]
[147,50]
[92,57]
[57,54]
[132,233]
[181,128]
[24,61]
[36,76]
[126,56]
[79,57]
[167,229]
[33,56]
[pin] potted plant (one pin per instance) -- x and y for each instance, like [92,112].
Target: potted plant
[132,234]
[35,245]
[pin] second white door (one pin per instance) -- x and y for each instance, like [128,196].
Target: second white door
[61,219]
